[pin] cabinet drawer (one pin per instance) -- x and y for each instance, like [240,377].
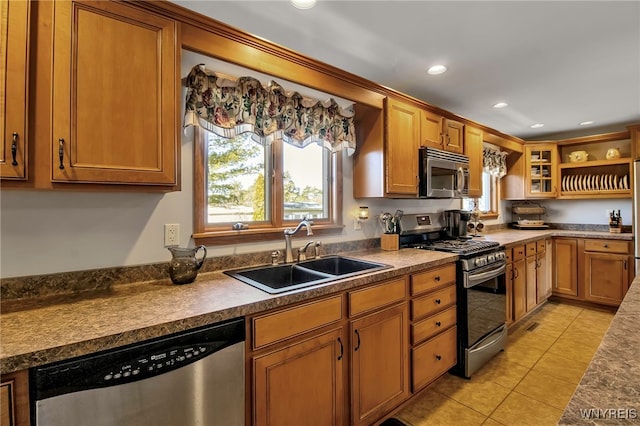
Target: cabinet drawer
[425,281]
[607,246]
[433,325]
[370,298]
[433,302]
[530,248]
[508,252]
[540,246]
[518,252]
[281,325]
[433,358]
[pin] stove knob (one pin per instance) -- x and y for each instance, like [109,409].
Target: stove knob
[491,258]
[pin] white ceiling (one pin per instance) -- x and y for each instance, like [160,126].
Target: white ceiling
[554,62]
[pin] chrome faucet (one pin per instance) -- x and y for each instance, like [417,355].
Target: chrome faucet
[288,254]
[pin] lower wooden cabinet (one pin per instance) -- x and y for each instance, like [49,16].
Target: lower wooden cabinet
[302,383]
[14,399]
[606,277]
[380,363]
[519,289]
[565,267]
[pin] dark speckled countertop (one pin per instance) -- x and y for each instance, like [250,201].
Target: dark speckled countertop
[130,313]
[610,387]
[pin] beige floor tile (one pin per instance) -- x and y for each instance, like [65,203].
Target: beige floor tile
[580,338]
[503,370]
[547,389]
[433,408]
[560,367]
[482,396]
[535,339]
[491,422]
[570,349]
[522,354]
[520,410]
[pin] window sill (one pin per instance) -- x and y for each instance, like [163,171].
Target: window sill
[490,215]
[220,238]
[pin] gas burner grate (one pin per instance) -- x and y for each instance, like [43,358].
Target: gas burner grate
[461,246]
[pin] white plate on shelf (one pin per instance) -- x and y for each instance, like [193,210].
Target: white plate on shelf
[615,182]
[625,184]
[570,183]
[588,184]
[611,188]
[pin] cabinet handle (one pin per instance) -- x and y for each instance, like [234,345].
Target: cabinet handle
[438,323]
[341,349]
[61,153]
[625,265]
[516,273]
[438,357]
[358,345]
[606,246]
[14,148]
[437,301]
[437,278]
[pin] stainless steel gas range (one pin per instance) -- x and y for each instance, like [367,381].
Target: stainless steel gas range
[480,284]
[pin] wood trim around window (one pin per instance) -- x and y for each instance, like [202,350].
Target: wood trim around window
[211,237]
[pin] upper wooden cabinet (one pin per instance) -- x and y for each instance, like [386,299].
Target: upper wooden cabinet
[473,150]
[115,82]
[402,143]
[533,174]
[14,60]
[442,133]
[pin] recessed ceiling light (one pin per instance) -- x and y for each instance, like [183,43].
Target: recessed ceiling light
[586,123]
[437,69]
[303,4]
[537,125]
[500,105]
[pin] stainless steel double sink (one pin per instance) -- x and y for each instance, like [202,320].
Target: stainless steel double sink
[292,276]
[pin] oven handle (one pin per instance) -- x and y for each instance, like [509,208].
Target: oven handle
[475,279]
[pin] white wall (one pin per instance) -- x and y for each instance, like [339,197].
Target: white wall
[587,211]
[53,231]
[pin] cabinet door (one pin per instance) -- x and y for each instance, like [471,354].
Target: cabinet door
[14,54]
[380,364]
[519,289]
[473,150]
[114,95]
[301,384]
[565,266]
[14,399]
[540,171]
[454,136]
[531,281]
[430,129]
[543,288]
[403,133]
[606,277]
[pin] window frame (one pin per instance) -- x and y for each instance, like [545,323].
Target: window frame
[272,229]
[494,189]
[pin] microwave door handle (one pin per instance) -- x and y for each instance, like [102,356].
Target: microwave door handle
[460,179]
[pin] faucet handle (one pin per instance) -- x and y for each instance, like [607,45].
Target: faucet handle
[316,249]
[302,254]
[275,255]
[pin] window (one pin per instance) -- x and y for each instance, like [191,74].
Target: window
[489,201]
[263,188]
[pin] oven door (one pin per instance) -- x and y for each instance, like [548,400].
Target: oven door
[486,301]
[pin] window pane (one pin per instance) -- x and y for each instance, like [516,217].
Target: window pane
[305,182]
[236,187]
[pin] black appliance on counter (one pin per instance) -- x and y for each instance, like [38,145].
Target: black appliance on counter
[480,288]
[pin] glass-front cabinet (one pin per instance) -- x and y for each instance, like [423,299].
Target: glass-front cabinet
[540,170]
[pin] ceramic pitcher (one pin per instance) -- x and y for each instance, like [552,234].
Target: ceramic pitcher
[184,264]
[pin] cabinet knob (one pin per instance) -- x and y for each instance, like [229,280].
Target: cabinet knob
[606,246]
[438,357]
[438,323]
[437,301]
[437,278]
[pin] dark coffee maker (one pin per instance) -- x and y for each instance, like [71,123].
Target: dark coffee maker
[456,223]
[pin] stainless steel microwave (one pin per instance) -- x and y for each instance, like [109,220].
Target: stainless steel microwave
[443,174]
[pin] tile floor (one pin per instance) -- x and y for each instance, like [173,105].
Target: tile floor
[529,383]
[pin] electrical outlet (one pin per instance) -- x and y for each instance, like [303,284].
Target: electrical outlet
[357,225]
[171,234]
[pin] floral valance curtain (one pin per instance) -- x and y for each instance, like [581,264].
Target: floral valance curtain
[229,107]
[494,162]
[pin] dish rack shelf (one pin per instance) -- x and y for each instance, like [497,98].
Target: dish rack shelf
[596,179]
[524,213]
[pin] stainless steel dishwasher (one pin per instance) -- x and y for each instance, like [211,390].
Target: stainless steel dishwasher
[186,379]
